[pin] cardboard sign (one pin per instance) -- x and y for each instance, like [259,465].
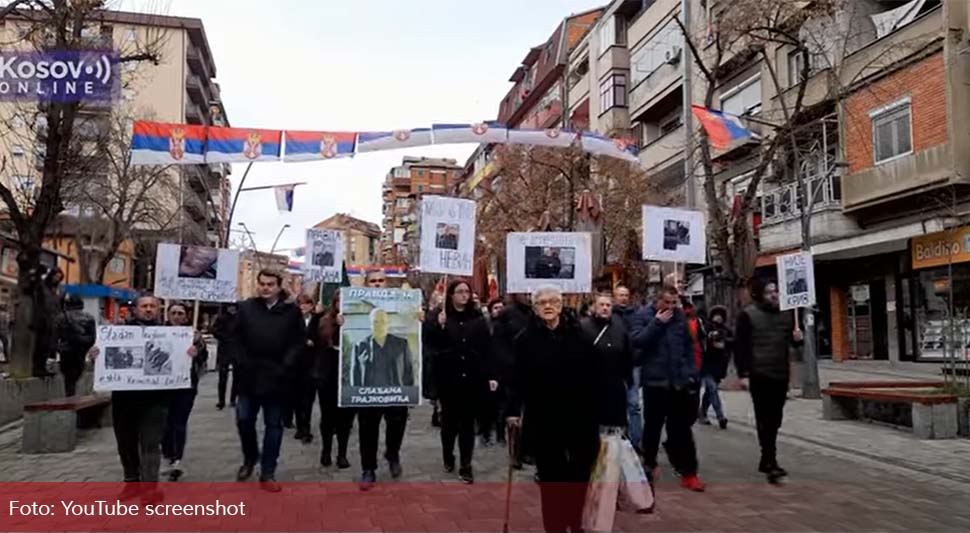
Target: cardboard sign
[196,273]
[559,259]
[447,235]
[143,358]
[674,235]
[324,255]
[796,280]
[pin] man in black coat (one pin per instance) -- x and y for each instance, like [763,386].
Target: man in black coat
[224,327]
[611,341]
[75,336]
[268,340]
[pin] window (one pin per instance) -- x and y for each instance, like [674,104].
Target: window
[17,150]
[420,188]
[613,92]
[401,202]
[796,62]
[892,131]
[666,47]
[607,34]
[401,172]
[745,99]
[420,173]
[117,265]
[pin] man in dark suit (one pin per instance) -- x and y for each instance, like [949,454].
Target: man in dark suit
[549,265]
[382,359]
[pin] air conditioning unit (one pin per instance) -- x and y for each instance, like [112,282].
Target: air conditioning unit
[672,57]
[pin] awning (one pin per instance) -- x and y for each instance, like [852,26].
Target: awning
[876,242]
[100,291]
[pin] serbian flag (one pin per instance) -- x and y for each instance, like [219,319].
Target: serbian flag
[619,148]
[284,197]
[481,132]
[549,137]
[242,145]
[725,131]
[372,141]
[317,145]
[157,143]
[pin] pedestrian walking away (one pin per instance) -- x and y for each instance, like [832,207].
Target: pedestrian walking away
[76,332]
[551,389]
[491,416]
[670,383]
[459,338]
[624,308]
[224,326]
[764,336]
[180,405]
[325,372]
[268,340]
[717,357]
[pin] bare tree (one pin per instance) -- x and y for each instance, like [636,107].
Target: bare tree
[63,156]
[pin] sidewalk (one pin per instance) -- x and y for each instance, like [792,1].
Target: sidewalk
[803,426]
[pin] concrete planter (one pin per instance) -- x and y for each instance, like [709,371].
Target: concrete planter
[14,393]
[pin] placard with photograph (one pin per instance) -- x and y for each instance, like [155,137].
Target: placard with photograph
[143,358]
[560,259]
[447,235]
[796,280]
[674,235]
[184,272]
[324,255]
[380,347]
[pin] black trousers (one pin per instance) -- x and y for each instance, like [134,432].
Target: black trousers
[458,421]
[677,410]
[334,420]
[72,366]
[768,397]
[177,427]
[564,466]
[224,369]
[305,392]
[492,414]
[139,420]
[396,420]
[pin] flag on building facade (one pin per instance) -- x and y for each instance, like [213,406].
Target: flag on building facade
[372,141]
[158,143]
[242,145]
[725,131]
[548,137]
[619,148]
[482,132]
[319,145]
[284,197]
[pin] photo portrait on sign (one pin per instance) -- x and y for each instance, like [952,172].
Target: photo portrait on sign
[561,259]
[674,235]
[196,273]
[143,358]
[325,256]
[380,347]
[447,235]
[796,284]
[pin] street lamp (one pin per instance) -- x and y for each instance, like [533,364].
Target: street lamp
[278,235]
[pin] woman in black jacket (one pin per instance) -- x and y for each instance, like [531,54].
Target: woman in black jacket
[552,390]
[460,341]
[326,375]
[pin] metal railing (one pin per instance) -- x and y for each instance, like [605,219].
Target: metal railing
[785,202]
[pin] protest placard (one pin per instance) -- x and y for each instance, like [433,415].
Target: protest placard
[184,272]
[560,259]
[447,235]
[143,358]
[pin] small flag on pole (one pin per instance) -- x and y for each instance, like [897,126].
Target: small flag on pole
[284,197]
[725,131]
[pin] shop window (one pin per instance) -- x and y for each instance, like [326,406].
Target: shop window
[892,131]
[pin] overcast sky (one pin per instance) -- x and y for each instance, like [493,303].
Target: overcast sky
[360,65]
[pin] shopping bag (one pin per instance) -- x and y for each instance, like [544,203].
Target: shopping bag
[636,494]
[599,510]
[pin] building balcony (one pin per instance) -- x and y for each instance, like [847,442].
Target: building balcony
[194,114]
[198,90]
[781,209]
[664,151]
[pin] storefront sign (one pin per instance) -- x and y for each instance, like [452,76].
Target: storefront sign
[942,248]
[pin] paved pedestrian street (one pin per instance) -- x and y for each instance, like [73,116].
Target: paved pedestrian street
[827,491]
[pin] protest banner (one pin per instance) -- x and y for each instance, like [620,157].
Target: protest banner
[324,255]
[560,259]
[143,358]
[185,272]
[447,235]
[380,347]
[796,280]
[674,235]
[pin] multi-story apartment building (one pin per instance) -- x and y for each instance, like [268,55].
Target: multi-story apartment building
[361,238]
[180,88]
[403,188]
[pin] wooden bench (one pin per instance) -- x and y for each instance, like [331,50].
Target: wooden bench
[921,405]
[51,426]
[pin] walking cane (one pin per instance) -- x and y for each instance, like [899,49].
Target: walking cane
[513,436]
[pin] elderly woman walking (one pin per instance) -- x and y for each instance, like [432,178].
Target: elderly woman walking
[552,389]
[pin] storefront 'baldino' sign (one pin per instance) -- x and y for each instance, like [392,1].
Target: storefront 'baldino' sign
[942,248]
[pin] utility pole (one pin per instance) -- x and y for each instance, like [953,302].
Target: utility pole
[688,120]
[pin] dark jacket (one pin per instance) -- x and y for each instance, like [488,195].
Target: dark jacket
[267,343]
[326,358]
[387,365]
[762,340]
[76,332]
[614,359]
[461,354]
[551,386]
[720,343]
[308,368]
[668,353]
[626,313]
[222,330]
[511,321]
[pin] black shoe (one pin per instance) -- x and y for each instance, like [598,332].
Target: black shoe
[486,442]
[722,423]
[307,438]
[220,406]
[465,475]
[245,472]
[368,478]
[500,440]
[449,465]
[269,484]
[395,468]
[342,462]
[298,435]
[288,424]
[777,471]
[517,465]
[325,460]
[704,421]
